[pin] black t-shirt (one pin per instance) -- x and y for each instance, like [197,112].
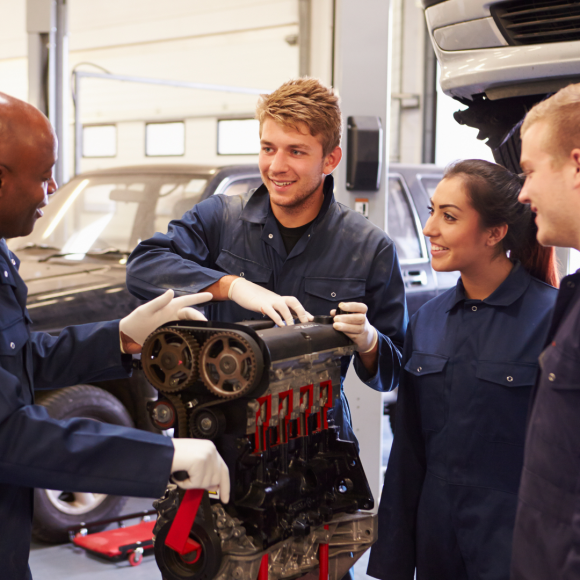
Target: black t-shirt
[290,236]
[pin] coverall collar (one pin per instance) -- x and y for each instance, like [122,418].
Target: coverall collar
[259,211]
[507,292]
[258,208]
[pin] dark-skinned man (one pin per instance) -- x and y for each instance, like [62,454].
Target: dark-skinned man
[78,454]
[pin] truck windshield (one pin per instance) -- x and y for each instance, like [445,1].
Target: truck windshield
[95,214]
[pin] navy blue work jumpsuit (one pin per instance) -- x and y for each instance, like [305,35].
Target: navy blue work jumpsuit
[449,499]
[78,454]
[546,541]
[341,257]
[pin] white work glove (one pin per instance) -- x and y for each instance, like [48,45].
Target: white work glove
[253,297]
[203,464]
[138,325]
[356,325]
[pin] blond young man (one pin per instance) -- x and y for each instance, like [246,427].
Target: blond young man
[288,245]
[546,542]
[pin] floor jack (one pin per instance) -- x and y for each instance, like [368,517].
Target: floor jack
[124,542]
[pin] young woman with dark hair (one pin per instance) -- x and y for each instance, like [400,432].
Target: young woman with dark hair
[470,360]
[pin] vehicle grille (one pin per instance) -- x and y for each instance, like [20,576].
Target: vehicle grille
[538,21]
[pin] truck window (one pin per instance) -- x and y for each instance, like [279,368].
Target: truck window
[401,224]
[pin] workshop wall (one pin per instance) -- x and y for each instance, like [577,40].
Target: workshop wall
[246,43]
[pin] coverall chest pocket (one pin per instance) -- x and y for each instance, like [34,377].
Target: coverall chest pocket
[428,372]
[244,268]
[502,395]
[13,336]
[13,322]
[324,294]
[557,408]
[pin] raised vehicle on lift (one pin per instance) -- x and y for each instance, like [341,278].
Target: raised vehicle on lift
[74,266]
[501,57]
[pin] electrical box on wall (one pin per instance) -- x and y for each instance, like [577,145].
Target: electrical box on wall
[364,153]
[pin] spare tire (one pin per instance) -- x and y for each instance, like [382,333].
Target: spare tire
[55,511]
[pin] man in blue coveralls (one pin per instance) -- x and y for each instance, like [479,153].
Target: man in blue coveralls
[78,454]
[546,541]
[288,245]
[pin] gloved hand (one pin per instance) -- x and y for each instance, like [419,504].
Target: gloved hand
[356,325]
[253,297]
[138,325]
[204,465]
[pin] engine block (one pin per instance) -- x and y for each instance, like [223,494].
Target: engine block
[264,395]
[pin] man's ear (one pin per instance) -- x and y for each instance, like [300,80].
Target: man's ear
[575,159]
[3,174]
[496,234]
[332,160]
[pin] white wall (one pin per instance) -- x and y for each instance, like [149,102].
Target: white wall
[228,42]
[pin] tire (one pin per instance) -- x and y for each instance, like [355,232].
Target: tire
[509,152]
[55,511]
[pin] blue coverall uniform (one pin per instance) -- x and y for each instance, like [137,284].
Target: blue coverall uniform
[547,531]
[341,257]
[450,494]
[78,454]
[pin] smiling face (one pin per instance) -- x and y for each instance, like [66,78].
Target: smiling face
[27,157]
[458,241]
[552,188]
[293,167]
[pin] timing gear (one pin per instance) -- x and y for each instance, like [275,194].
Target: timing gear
[228,365]
[169,359]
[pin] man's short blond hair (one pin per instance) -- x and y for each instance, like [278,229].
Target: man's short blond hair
[562,114]
[305,100]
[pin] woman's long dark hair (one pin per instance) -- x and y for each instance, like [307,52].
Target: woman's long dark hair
[493,192]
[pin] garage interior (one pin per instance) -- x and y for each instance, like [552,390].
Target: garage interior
[134,83]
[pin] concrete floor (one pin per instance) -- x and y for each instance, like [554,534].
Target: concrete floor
[66,562]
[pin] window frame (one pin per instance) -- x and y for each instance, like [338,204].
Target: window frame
[416,220]
[92,125]
[182,122]
[217,136]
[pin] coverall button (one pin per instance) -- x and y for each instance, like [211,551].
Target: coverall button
[242,274]
[510,379]
[6,273]
[419,369]
[270,236]
[333,294]
[474,308]
[12,346]
[13,262]
[571,284]
[551,377]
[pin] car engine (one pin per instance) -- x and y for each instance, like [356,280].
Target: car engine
[264,395]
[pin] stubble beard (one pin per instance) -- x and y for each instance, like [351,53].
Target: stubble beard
[299,201]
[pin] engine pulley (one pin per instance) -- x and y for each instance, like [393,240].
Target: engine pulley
[202,564]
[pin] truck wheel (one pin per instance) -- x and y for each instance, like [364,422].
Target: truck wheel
[56,510]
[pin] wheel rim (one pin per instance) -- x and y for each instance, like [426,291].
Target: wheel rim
[74,503]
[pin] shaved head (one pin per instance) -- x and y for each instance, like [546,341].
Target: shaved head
[21,125]
[27,156]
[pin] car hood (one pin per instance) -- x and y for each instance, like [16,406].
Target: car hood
[42,277]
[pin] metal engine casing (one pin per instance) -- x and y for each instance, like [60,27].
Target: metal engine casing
[264,396]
